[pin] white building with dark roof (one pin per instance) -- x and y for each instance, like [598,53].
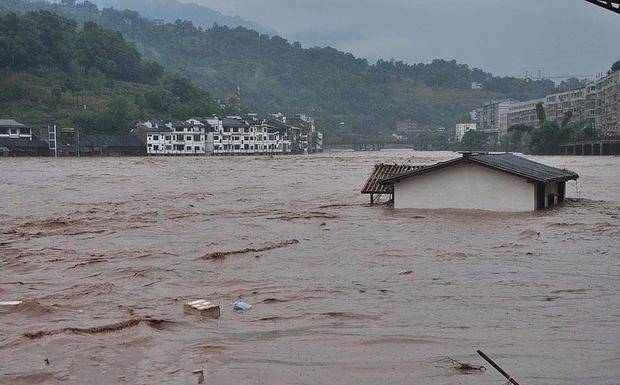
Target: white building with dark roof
[179,138]
[493,182]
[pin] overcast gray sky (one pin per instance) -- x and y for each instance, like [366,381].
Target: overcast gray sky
[506,37]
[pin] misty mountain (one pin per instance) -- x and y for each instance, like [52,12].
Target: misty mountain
[171,10]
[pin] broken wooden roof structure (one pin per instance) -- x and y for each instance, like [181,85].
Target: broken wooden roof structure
[382,171]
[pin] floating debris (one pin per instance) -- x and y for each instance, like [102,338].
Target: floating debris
[240,305]
[405,272]
[248,250]
[200,374]
[154,323]
[10,303]
[461,367]
[202,307]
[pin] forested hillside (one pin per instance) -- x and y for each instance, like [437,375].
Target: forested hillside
[171,10]
[272,74]
[89,76]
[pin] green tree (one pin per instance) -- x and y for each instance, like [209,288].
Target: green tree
[474,141]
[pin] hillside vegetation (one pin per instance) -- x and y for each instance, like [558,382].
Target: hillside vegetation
[274,75]
[55,72]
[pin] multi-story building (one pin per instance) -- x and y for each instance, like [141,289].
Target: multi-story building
[462,128]
[235,136]
[493,117]
[560,105]
[524,113]
[608,106]
[179,138]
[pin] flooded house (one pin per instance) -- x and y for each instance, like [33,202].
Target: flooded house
[479,181]
[17,139]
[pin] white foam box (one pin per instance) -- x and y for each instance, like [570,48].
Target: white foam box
[202,307]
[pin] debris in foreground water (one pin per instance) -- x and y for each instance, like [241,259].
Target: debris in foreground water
[240,305]
[154,323]
[202,307]
[10,303]
[249,250]
[200,374]
[461,367]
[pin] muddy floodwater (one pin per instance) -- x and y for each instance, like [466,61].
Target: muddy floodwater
[104,252]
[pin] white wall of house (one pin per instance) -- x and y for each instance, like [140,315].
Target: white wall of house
[466,186]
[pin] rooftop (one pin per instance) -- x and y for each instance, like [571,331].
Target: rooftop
[10,123]
[509,163]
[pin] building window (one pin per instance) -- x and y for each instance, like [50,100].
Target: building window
[188,138]
[196,138]
[235,130]
[156,147]
[188,148]
[168,147]
[197,148]
[168,137]
[215,137]
[13,131]
[155,137]
[246,147]
[236,146]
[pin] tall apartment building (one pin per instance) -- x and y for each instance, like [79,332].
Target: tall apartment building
[608,105]
[524,113]
[493,117]
[598,103]
[559,105]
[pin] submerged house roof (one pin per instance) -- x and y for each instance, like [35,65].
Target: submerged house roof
[508,163]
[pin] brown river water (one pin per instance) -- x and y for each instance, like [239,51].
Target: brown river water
[104,251]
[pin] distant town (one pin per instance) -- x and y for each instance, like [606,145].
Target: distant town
[231,135]
[597,106]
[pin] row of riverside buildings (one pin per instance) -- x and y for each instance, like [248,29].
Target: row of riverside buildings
[597,103]
[232,135]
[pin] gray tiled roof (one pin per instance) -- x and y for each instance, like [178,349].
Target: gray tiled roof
[10,123]
[523,167]
[510,163]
